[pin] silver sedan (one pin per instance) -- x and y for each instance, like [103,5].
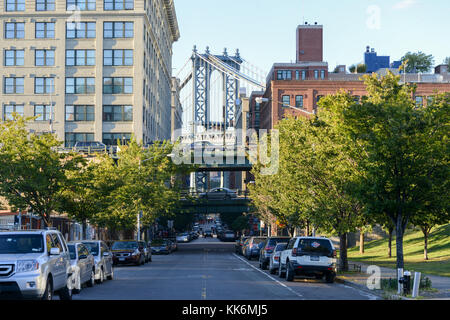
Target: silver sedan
[103,259]
[83,266]
[274,261]
[219,194]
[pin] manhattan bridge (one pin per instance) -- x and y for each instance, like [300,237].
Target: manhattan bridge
[211,91]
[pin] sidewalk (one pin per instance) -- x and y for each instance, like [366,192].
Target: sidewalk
[442,284]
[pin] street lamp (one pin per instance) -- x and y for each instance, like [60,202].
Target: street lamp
[264,100]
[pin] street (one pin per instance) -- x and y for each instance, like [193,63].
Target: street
[207,269]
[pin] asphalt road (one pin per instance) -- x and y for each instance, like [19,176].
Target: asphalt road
[207,269]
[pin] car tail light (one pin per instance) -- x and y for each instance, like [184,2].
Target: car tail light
[334,254]
[270,249]
[294,252]
[276,258]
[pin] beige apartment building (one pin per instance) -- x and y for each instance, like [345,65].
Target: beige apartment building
[89,70]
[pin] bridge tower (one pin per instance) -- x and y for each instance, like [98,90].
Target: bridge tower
[202,67]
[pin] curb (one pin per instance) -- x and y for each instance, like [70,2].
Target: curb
[358,287]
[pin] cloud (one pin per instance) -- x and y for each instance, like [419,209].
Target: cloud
[405,4]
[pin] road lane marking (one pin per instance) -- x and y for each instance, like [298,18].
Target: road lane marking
[280,283]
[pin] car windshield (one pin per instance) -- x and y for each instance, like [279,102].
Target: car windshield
[280,246]
[318,246]
[258,240]
[21,243]
[273,241]
[92,247]
[72,252]
[127,245]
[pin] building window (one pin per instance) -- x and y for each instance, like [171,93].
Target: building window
[284,75]
[80,30]
[303,74]
[13,85]
[14,57]
[9,109]
[111,139]
[419,101]
[71,138]
[44,85]
[118,30]
[430,100]
[44,57]
[118,57]
[80,113]
[286,100]
[14,30]
[42,112]
[80,85]
[318,99]
[45,5]
[297,74]
[117,113]
[119,5]
[15,5]
[117,85]
[322,74]
[44,30]
[299,101]
[80,57]
[82,5]
[316,74]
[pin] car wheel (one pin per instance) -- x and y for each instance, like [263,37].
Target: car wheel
[78,283]
[111,276]
[48,293]
[329,278]
[91,281]
[280,271]
[264,265]
[65,293]
[289,273]
[101,279]
[272,270]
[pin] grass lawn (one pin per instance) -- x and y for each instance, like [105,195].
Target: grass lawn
[438,252]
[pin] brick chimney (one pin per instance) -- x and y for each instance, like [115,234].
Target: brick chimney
[309,43]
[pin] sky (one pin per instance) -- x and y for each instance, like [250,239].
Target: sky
[264,30]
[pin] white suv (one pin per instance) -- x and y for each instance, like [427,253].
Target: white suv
[34,264]
[308,256]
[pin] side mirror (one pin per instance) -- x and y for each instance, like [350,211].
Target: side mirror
[54,251]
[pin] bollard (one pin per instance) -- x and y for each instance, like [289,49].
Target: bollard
[416,284]
[399,278]
[407,283]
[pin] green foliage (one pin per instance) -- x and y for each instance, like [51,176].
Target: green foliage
[418,62]
[360,68]
[32,171]
[240,223]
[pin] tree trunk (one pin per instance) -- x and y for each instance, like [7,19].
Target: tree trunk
[343,261]
[391,231]
[399,241]
[361,241]
[426,232]
[307,229]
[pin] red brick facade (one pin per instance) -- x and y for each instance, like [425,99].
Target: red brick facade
[309,43]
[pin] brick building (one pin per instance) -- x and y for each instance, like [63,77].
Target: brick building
[303,83]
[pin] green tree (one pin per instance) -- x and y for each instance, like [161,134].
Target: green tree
[418,62]
[447,62]
[32,171]
[359,68]
[402,150]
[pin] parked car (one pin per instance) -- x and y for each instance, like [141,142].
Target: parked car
[239,243]
[128,251]
[274,261]
[90,147]
[160,246]
[253,247]
[207,233]
[103,258]
[228,235]
[35,264]
[183,237]
[83,266]
[308,256]
[147,251]
[218,194]
[267,250]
